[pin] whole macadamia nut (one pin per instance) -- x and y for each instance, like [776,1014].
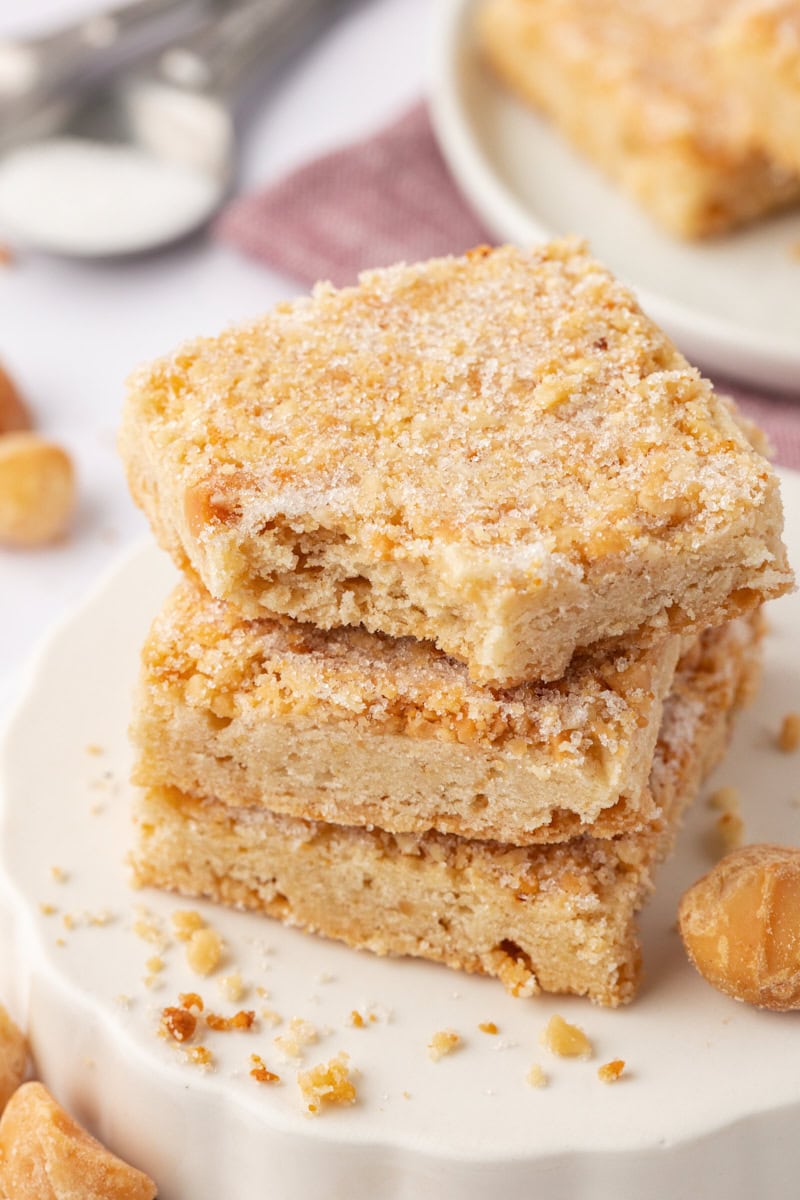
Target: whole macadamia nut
[740,925]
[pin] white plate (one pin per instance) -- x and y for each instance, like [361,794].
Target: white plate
[713,1092]
[732,304]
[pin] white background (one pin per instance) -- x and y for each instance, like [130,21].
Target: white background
[71,332]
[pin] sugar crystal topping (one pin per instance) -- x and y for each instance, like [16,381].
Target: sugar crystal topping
[516,404]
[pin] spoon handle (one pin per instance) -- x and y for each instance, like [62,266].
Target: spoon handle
[219,56]
[86,45]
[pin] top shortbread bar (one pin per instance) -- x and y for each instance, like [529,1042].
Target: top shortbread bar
[500,453]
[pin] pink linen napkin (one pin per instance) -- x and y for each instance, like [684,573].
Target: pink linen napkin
[390,198]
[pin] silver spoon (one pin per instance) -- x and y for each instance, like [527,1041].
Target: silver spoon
[148,160]
[40,77]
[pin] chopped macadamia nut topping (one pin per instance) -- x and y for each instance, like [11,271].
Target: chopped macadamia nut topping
[610,1072]
[442,1043]
[565,1040]
[204,951]
[536,1077]
[178,1023]
[191,1000]
[147,926]
[240,1020]
[789,735]
[260,1072]
[327,1084]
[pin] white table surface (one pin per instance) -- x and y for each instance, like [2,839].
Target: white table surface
[71,332]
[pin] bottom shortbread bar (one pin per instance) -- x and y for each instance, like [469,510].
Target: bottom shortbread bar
[557,918]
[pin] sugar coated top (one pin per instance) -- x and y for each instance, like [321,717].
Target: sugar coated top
[516,404]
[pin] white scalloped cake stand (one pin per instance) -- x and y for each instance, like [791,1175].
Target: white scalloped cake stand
[710,1106]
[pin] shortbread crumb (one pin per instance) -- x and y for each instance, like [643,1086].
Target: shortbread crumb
[301,1034]
[730,831]
[260,1072]
[488,1027]
[199,1056]
[204,951]
[565,1040]
[789,734]
[442,1043]
[725,799]
[327,1084]
[536,1077]
[232,987]
[610,1072]
[185,922]
[240,1020]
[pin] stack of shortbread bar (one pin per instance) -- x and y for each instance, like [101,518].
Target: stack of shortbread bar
[474,562]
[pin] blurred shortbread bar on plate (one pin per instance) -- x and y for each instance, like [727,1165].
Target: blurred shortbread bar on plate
[760,43]
[499,453]
[559,918]
[638,87]
[360,729]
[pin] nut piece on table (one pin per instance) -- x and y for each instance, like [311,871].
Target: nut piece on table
[45,1155]
[37,490]
[740,925]
[14,415]
[13,1057]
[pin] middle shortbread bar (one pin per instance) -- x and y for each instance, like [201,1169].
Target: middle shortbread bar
[361,729]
